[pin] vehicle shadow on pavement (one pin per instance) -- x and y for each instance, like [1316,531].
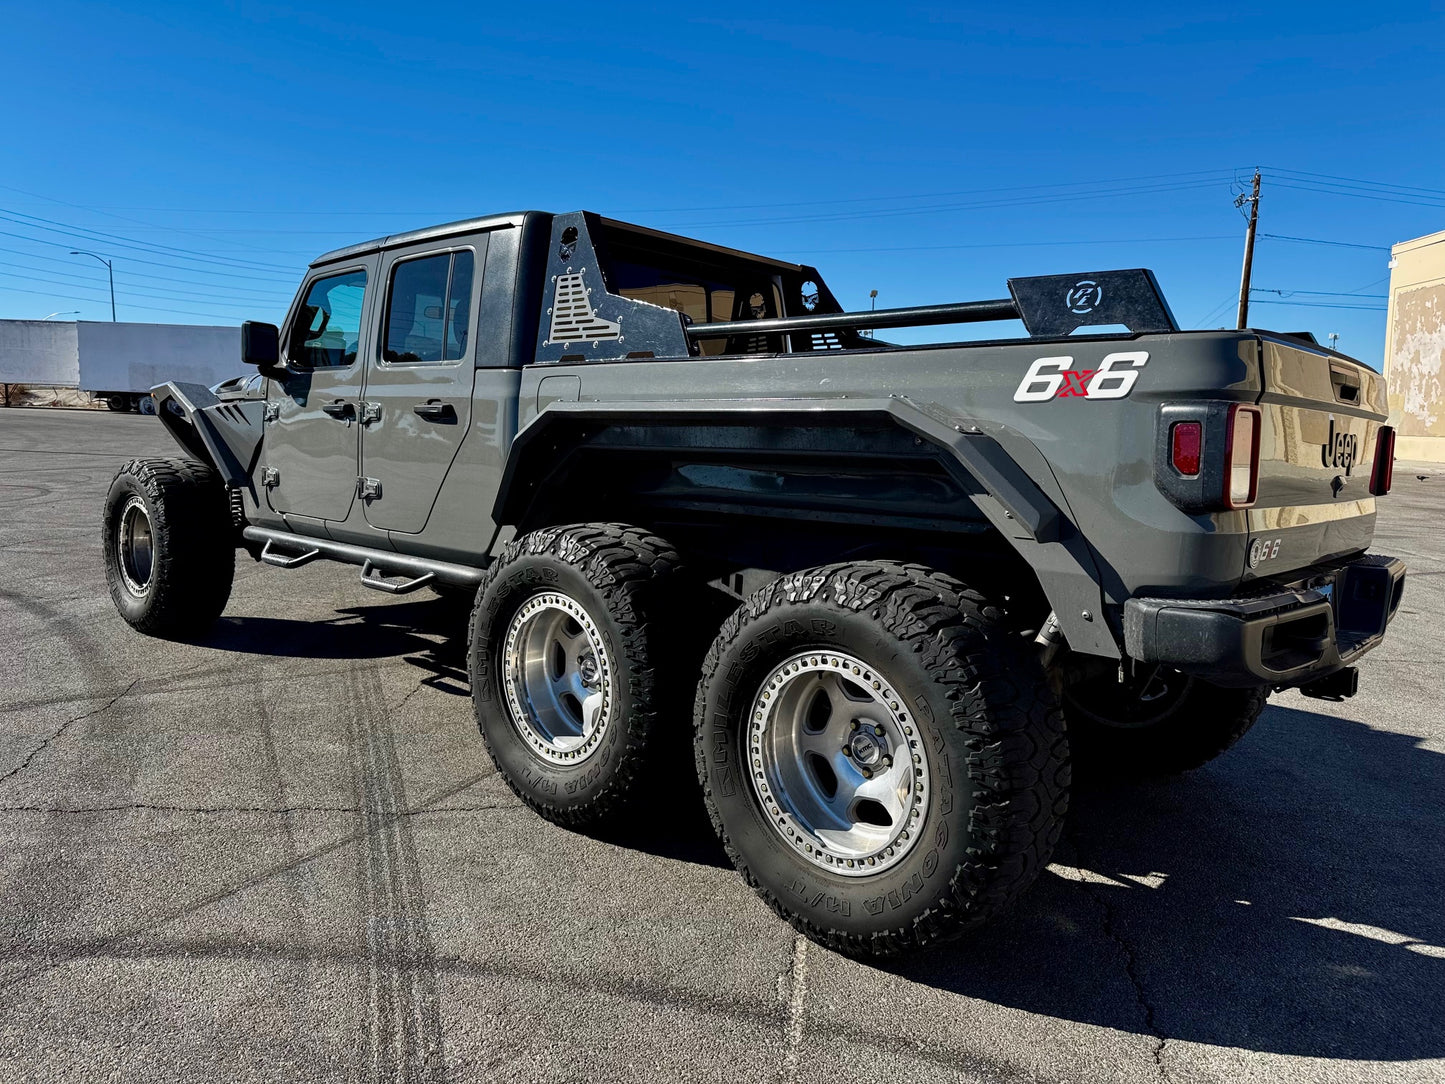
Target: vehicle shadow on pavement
[430,632]
[1289,898]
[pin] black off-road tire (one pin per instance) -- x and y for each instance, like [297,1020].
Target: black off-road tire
[630,584]
[990,727]
[1113,734]
[193,546]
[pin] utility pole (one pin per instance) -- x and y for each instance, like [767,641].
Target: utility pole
[1253,200]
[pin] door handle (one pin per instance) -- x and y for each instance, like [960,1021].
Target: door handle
[339,408]
[435,411]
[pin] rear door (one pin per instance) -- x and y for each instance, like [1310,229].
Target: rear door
[311,435]
[418,394]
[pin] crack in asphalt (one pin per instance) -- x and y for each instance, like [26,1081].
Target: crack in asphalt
[1131,959]
[402,702]
[13,772]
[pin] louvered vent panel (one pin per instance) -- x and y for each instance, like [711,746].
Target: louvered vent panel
[572,317]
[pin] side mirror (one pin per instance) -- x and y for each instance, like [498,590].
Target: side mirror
[261,345]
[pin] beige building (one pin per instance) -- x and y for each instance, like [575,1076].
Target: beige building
[1415,347]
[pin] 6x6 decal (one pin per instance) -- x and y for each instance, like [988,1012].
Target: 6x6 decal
[1055,378]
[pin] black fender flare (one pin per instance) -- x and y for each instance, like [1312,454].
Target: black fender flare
[225,436]
[982,458]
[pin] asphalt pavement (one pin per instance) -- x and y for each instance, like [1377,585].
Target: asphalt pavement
[282,854]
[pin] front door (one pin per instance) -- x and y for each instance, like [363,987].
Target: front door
[311,437]
[418,396]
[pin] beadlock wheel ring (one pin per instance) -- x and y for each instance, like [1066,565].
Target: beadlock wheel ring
[558,678]
[837,763]
[135,546]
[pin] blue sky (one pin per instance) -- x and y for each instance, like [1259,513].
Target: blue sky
[928,152]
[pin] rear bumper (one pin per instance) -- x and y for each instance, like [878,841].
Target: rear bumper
[1286,635]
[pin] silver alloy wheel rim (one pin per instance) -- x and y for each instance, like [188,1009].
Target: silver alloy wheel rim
[837,763]
[558,677]
[135,546]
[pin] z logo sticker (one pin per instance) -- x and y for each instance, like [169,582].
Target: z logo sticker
[1056,378]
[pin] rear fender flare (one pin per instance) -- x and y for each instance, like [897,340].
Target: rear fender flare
[1026,506]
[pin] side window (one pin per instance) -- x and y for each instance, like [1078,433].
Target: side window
[428,309]
[328,326]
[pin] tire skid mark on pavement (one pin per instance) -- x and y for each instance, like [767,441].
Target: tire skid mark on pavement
[293,880]
[54,956]
[85,653]
[404,1018]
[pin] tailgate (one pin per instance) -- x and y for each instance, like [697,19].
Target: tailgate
[1320,415]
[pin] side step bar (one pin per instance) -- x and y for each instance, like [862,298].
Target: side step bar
[375,564]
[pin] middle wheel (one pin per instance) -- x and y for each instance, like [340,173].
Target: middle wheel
[571,664]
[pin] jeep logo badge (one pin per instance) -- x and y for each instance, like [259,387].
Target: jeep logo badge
[1340,450]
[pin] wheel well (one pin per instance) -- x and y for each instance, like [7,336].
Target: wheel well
[740,498]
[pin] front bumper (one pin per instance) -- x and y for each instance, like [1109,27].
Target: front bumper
[1284,635]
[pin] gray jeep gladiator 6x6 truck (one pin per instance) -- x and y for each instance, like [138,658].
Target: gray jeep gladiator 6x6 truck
[888,588]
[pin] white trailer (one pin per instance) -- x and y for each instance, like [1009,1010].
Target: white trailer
[120,363]
[39,352]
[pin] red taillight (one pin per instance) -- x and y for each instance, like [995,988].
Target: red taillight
[1241,457]
[1383,474]
[1185,443]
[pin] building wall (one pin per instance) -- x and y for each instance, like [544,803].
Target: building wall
[41,352]
[1415,347]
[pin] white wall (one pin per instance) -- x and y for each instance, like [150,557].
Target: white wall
[40,352]
[137,357]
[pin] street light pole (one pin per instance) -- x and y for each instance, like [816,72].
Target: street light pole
[109,269]
[67,312]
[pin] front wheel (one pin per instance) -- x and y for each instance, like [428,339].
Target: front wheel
[170,547]
[882,761]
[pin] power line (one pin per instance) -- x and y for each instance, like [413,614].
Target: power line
[1318,293]
[1322,305]
[943,208]
[1358,181]
[113,240]
[267,277]
[1019,244]
[180,295]
[130,274]
[144,308]
[1317,241]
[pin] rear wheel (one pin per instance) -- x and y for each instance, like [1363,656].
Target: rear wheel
[881,759]
[573,665]
[1158,722]
[170,547]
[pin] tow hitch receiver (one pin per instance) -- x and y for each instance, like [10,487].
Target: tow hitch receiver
[1340,685]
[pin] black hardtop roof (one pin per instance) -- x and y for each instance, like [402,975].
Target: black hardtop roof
[516,218]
